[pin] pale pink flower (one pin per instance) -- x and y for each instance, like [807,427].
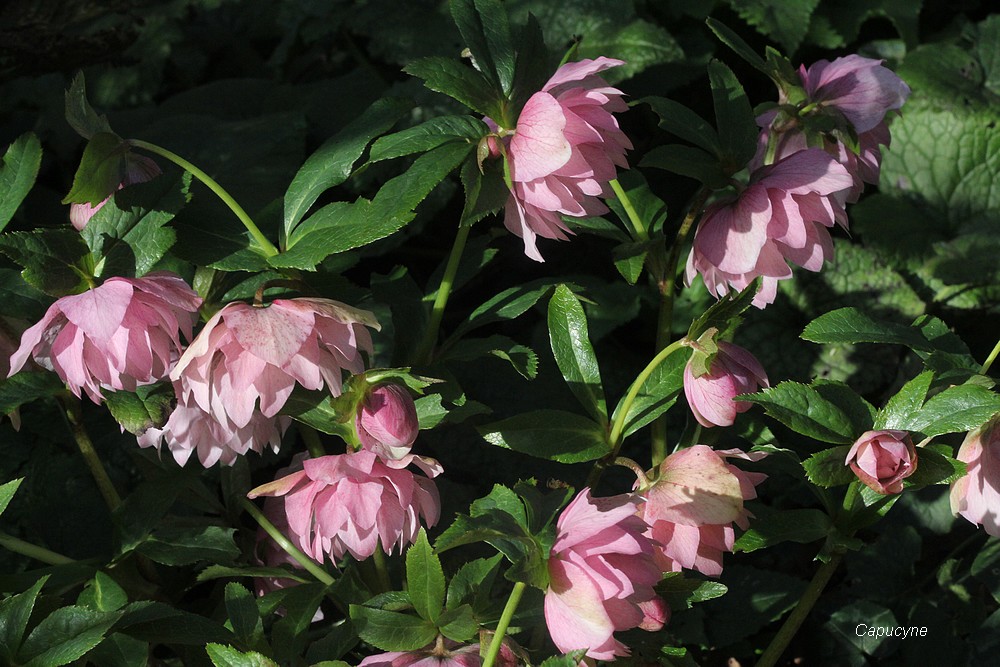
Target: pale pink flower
[138,169]
[351,503]
[734,371]
[601,576]
[563,152]
[692,504]
[386,422]
[444,653]
[122,334]
[783,214]
[249,358]
[976,494]
[190,429]
[883,459]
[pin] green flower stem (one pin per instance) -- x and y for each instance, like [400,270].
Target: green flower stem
[305,561]
[382,569]
[505,618]
[74,415]
[641,233]
[990,359]
[426,348]
[311,438]
[618,427]
[798,616]
[30,550]
[266,247]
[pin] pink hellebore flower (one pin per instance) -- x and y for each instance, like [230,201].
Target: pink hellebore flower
[386,422]
[783,214]
[976,495]
[691,507]
[248,357]
[444,653]
[138,169]
[563,152]
[601,576]
[350,503]
[734,371]
[883,459]
[119,335]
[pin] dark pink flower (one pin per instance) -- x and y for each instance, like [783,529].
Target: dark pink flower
[445,653]
[601,576]
[883,459]
[782,216]
[249,358]
[692,504]
[563,152]
[734,371]
[138,169]
[119,335]
[351,503]
[386,422]
[976,494]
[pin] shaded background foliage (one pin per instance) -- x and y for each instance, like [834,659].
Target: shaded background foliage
[247,90]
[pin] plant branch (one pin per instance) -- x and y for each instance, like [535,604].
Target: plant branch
[990,359]
[505,618]
[641,233]
[30,550]
[426,347]
[305,561]
[74,415]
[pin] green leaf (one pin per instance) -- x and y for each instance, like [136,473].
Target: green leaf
[829,467]
[429,135]
[724,314]
[457,80]
[472,581]
[851,325]
[555,435]
[738,129]
[391,630]
[802,526]
[860,412]
[225,572]
[28,386]
[65,635]
[571,659]
[227,656]
[804,410]
[187,545]
[148,407]
[103,594]
[14,614]
[684,123]
[639,43]
[935,466]
[101,170]
[687,161]
[522,359]
[629,259]
[127,236]
[485,191]
[658,393]
[53,259]
[79,114]
[900,409]
[486,31]
[459,624]
[955,410]
[18,173]
[7,492]
[573,352]
[331,164]
[156,622]
[649,207]
[507,305]
[244,616]
[119,650]
[785,21]
[736,43]
[425,579]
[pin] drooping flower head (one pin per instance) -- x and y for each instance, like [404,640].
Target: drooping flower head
[734,371]
[782,216]
[122,334]
[138,169]
[351,503]
[691,507]
[386,422]
[601,576]
[976,494]
[563,152]
[883,459]
[443,653]
[249,358]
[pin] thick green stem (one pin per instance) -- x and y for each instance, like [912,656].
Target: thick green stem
[382,569]
[618,427]
[74,415]
[505,618]
[798,616]
[266,247]
[990,359]
[305,561]
[30,550]
[312,441]
[641,233]
[426,348]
